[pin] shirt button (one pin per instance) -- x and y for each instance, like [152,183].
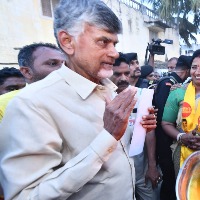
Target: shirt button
[110,150]
[100,87]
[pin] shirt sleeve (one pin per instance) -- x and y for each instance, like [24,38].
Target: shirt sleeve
[31,158]
[172,105]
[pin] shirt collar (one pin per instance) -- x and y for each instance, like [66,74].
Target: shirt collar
[81,85]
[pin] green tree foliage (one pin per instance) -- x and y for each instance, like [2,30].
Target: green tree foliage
[180,12]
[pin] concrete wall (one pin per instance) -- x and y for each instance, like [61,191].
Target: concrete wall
[136,34]
[185,50]
[22,23]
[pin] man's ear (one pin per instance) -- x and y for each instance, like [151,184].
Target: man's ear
[66,42]
[26,72]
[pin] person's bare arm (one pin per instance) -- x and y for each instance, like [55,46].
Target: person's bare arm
[188,139]
[170,129]
[151,59]
[152,173]
[150,123]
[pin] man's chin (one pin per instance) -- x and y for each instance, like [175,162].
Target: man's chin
[137,74]
[105,73]
[122,87]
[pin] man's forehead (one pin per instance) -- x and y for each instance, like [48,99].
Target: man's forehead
[99,32]
[172,62]
[47,52]
[121,69]
[133,61]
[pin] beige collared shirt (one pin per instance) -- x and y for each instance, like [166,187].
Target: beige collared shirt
[54,146]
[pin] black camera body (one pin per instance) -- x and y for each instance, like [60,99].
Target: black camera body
[156,48]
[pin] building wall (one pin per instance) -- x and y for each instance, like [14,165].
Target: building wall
[22,23]
[185,50]
[136,34]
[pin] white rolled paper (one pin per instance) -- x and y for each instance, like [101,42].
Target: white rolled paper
[139,133]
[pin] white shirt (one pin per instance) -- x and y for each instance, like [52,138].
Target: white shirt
[54,146]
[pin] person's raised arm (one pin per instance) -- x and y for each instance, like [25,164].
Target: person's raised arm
[151,59]
[118,111]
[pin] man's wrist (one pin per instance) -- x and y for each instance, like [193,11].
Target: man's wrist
[152,164]
[179,136]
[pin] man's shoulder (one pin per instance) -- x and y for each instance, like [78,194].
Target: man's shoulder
[163,88]
[180,91]
[40,88]
[166,81]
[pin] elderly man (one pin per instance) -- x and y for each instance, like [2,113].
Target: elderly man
[10,79]
[68,127]
[171,64]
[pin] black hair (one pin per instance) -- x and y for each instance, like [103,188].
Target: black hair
[121,59]
[146,70]
[25,56]
[183,62]
[8,72]
[71,16]
[130,56]
[195,55]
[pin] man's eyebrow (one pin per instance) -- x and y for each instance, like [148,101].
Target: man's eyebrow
[53,59]
[109,39]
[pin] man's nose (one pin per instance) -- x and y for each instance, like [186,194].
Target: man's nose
[124,77]
[113,52]
[137,67]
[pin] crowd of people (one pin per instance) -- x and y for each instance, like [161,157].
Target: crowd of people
[67,115]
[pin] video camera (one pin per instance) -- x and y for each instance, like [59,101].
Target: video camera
[156,48]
